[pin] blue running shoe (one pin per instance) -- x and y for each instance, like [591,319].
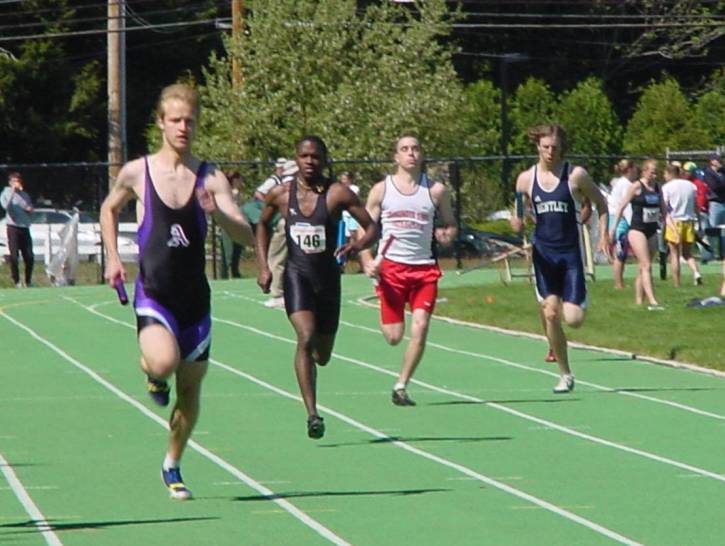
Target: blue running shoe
[175,483]
[158,390]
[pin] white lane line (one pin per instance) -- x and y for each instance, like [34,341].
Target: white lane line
[595,386]
[31,509]
[402,445]
[282,503]
[549,424]
[641,359]
[440,460]
[517,365]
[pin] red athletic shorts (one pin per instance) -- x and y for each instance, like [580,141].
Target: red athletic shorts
[400,283]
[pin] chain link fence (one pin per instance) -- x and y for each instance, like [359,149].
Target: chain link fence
[476,185]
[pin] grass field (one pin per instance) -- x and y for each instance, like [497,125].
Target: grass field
[613,320]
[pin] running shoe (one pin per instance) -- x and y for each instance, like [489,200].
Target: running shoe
[400,398]
[158,390]
[275,303]
[698,279]
[315,427]
[655,307]
[175,484]
[550,357]
[565,384]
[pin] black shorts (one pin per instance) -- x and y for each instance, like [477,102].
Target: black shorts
[317,292]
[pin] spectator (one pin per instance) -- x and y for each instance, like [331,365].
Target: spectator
[274,179]
[679,199]
[693,174]
[18,207]
[231,250]
[277,254]
[627,172]
[351,225]
[253,208]
[715,180]
[647,211]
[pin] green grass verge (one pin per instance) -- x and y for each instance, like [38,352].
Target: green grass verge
[692,335]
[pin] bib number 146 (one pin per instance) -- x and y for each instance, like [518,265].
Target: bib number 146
[310,239]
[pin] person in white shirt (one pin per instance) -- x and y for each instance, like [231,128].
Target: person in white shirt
[277,256]
[406,204]
[679,197]
[627,172]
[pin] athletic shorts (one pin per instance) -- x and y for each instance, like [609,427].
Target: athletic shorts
[194,338]
[559,274]
[685,229]
[316,292]
[621,243]
[416,285]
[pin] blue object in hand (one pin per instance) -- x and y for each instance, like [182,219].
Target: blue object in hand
[340,240]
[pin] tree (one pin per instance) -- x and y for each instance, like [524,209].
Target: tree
[710,109]
[50,105]
[358,79]
[479,126]
[663,119]
[591,124]
[533,103]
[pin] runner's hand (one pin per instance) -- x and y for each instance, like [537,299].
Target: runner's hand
[264,280]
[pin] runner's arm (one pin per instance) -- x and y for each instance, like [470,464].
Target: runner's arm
[121,193]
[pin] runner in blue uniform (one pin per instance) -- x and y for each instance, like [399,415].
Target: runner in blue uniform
[312,205]
[174,192]
[554,189]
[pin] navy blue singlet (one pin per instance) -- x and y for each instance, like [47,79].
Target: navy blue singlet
[556,215]
[558,267]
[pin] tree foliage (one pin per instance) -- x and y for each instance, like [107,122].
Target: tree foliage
[664,119]
[710,109]
[49,106]
[479,128]
[592,126]
[358,79]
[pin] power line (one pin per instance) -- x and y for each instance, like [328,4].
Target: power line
[646,26]
[106,31]
[133,15]
[590,16]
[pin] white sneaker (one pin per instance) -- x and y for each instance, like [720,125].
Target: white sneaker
[274,303]
[565,384]
[698,279]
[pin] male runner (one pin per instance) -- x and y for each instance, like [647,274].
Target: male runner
[406,203]
[312,205]
[174,191]
[554,190]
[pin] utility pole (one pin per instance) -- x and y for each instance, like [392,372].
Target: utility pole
[116,76]
[237,24]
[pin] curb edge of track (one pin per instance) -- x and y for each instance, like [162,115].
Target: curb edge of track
[366,301]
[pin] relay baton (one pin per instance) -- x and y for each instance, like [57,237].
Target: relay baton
[381,254]
[341,241]
[121,291]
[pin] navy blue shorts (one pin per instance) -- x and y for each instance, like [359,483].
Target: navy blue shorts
[560,274]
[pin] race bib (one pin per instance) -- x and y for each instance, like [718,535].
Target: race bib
[310,239]
[650,215]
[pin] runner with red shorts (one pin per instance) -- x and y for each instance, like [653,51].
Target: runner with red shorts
[406,204]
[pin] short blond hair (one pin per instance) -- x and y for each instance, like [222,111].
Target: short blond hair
[178,91]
